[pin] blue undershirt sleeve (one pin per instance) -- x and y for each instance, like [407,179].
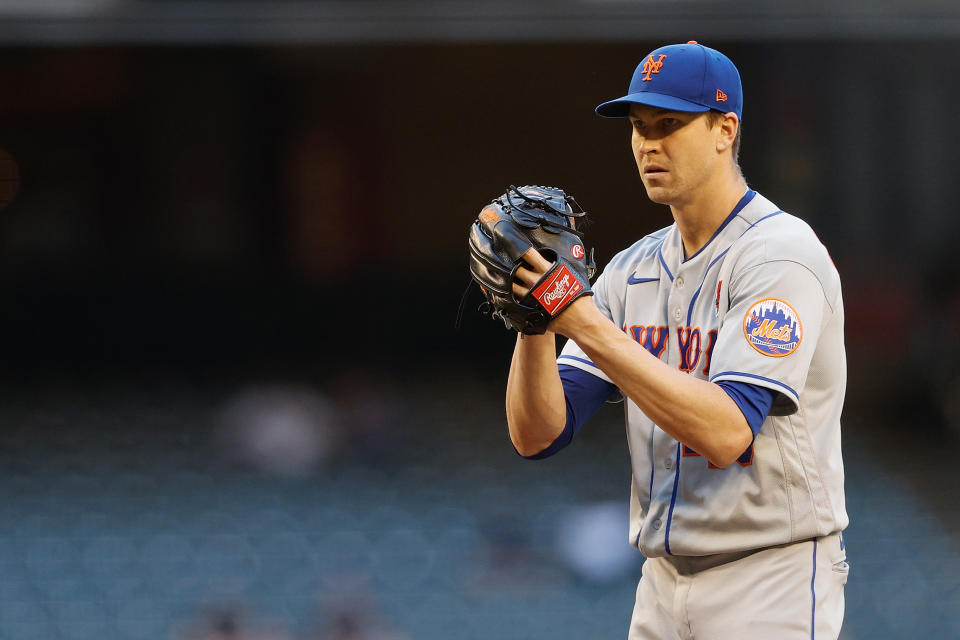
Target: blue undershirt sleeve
[584,394]
[754,401]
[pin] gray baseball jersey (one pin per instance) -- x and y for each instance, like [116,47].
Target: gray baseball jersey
[759,303]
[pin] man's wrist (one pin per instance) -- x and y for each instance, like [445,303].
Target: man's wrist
[582,316]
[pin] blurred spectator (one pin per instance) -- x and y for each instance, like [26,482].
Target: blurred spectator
[355,625]
[284,430]
[591,539]
[374,413]
[229,624]
[350,612]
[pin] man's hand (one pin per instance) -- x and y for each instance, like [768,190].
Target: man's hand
[577,316]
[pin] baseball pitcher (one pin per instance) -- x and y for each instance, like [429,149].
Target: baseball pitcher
[723,335]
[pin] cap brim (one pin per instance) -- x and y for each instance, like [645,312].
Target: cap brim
[620,108]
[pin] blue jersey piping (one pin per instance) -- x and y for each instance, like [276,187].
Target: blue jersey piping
[664,262]
[673,501]
[583,360]
[723,253]
[813,594]
[650,490]
[769,215]
[793,393]
[744,201]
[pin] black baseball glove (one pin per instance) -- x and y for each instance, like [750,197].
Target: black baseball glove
[531,216]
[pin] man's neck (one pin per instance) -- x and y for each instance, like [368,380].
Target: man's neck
[699,217]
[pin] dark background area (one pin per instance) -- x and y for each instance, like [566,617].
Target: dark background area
[236,403]
[234,204]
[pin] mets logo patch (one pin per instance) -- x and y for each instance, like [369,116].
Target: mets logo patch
[773,327]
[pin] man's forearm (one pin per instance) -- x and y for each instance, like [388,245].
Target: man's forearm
[696,412]
[536,409]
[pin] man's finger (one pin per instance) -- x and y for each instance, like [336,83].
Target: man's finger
[533,258]
[526,276]
[519,291]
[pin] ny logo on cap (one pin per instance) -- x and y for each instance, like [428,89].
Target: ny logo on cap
[652,66]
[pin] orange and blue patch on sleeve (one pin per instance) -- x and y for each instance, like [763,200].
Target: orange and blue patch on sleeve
[773,327]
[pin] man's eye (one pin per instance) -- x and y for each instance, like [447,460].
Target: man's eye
[669,122]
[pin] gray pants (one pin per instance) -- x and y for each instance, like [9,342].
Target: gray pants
[788,592]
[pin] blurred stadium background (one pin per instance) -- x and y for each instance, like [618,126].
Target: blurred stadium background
[232,249]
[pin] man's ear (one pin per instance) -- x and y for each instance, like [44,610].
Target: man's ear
[729,125]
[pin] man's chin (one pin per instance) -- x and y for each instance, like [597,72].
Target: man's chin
[659,195]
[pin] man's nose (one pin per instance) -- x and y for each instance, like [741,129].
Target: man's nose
[648,145]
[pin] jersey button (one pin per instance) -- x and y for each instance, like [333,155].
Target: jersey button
[668,465]
[657,523]
[679,282]
[677,314]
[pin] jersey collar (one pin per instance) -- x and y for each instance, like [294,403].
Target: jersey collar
[671,251]
[744,201]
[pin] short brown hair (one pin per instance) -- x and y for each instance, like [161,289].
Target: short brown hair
[713,117]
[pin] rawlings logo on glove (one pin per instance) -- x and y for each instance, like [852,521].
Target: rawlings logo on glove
[556,299]
[543,218]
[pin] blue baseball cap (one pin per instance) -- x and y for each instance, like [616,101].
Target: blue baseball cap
[681,77]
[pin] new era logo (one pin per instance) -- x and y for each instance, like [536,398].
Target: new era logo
[721,96]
